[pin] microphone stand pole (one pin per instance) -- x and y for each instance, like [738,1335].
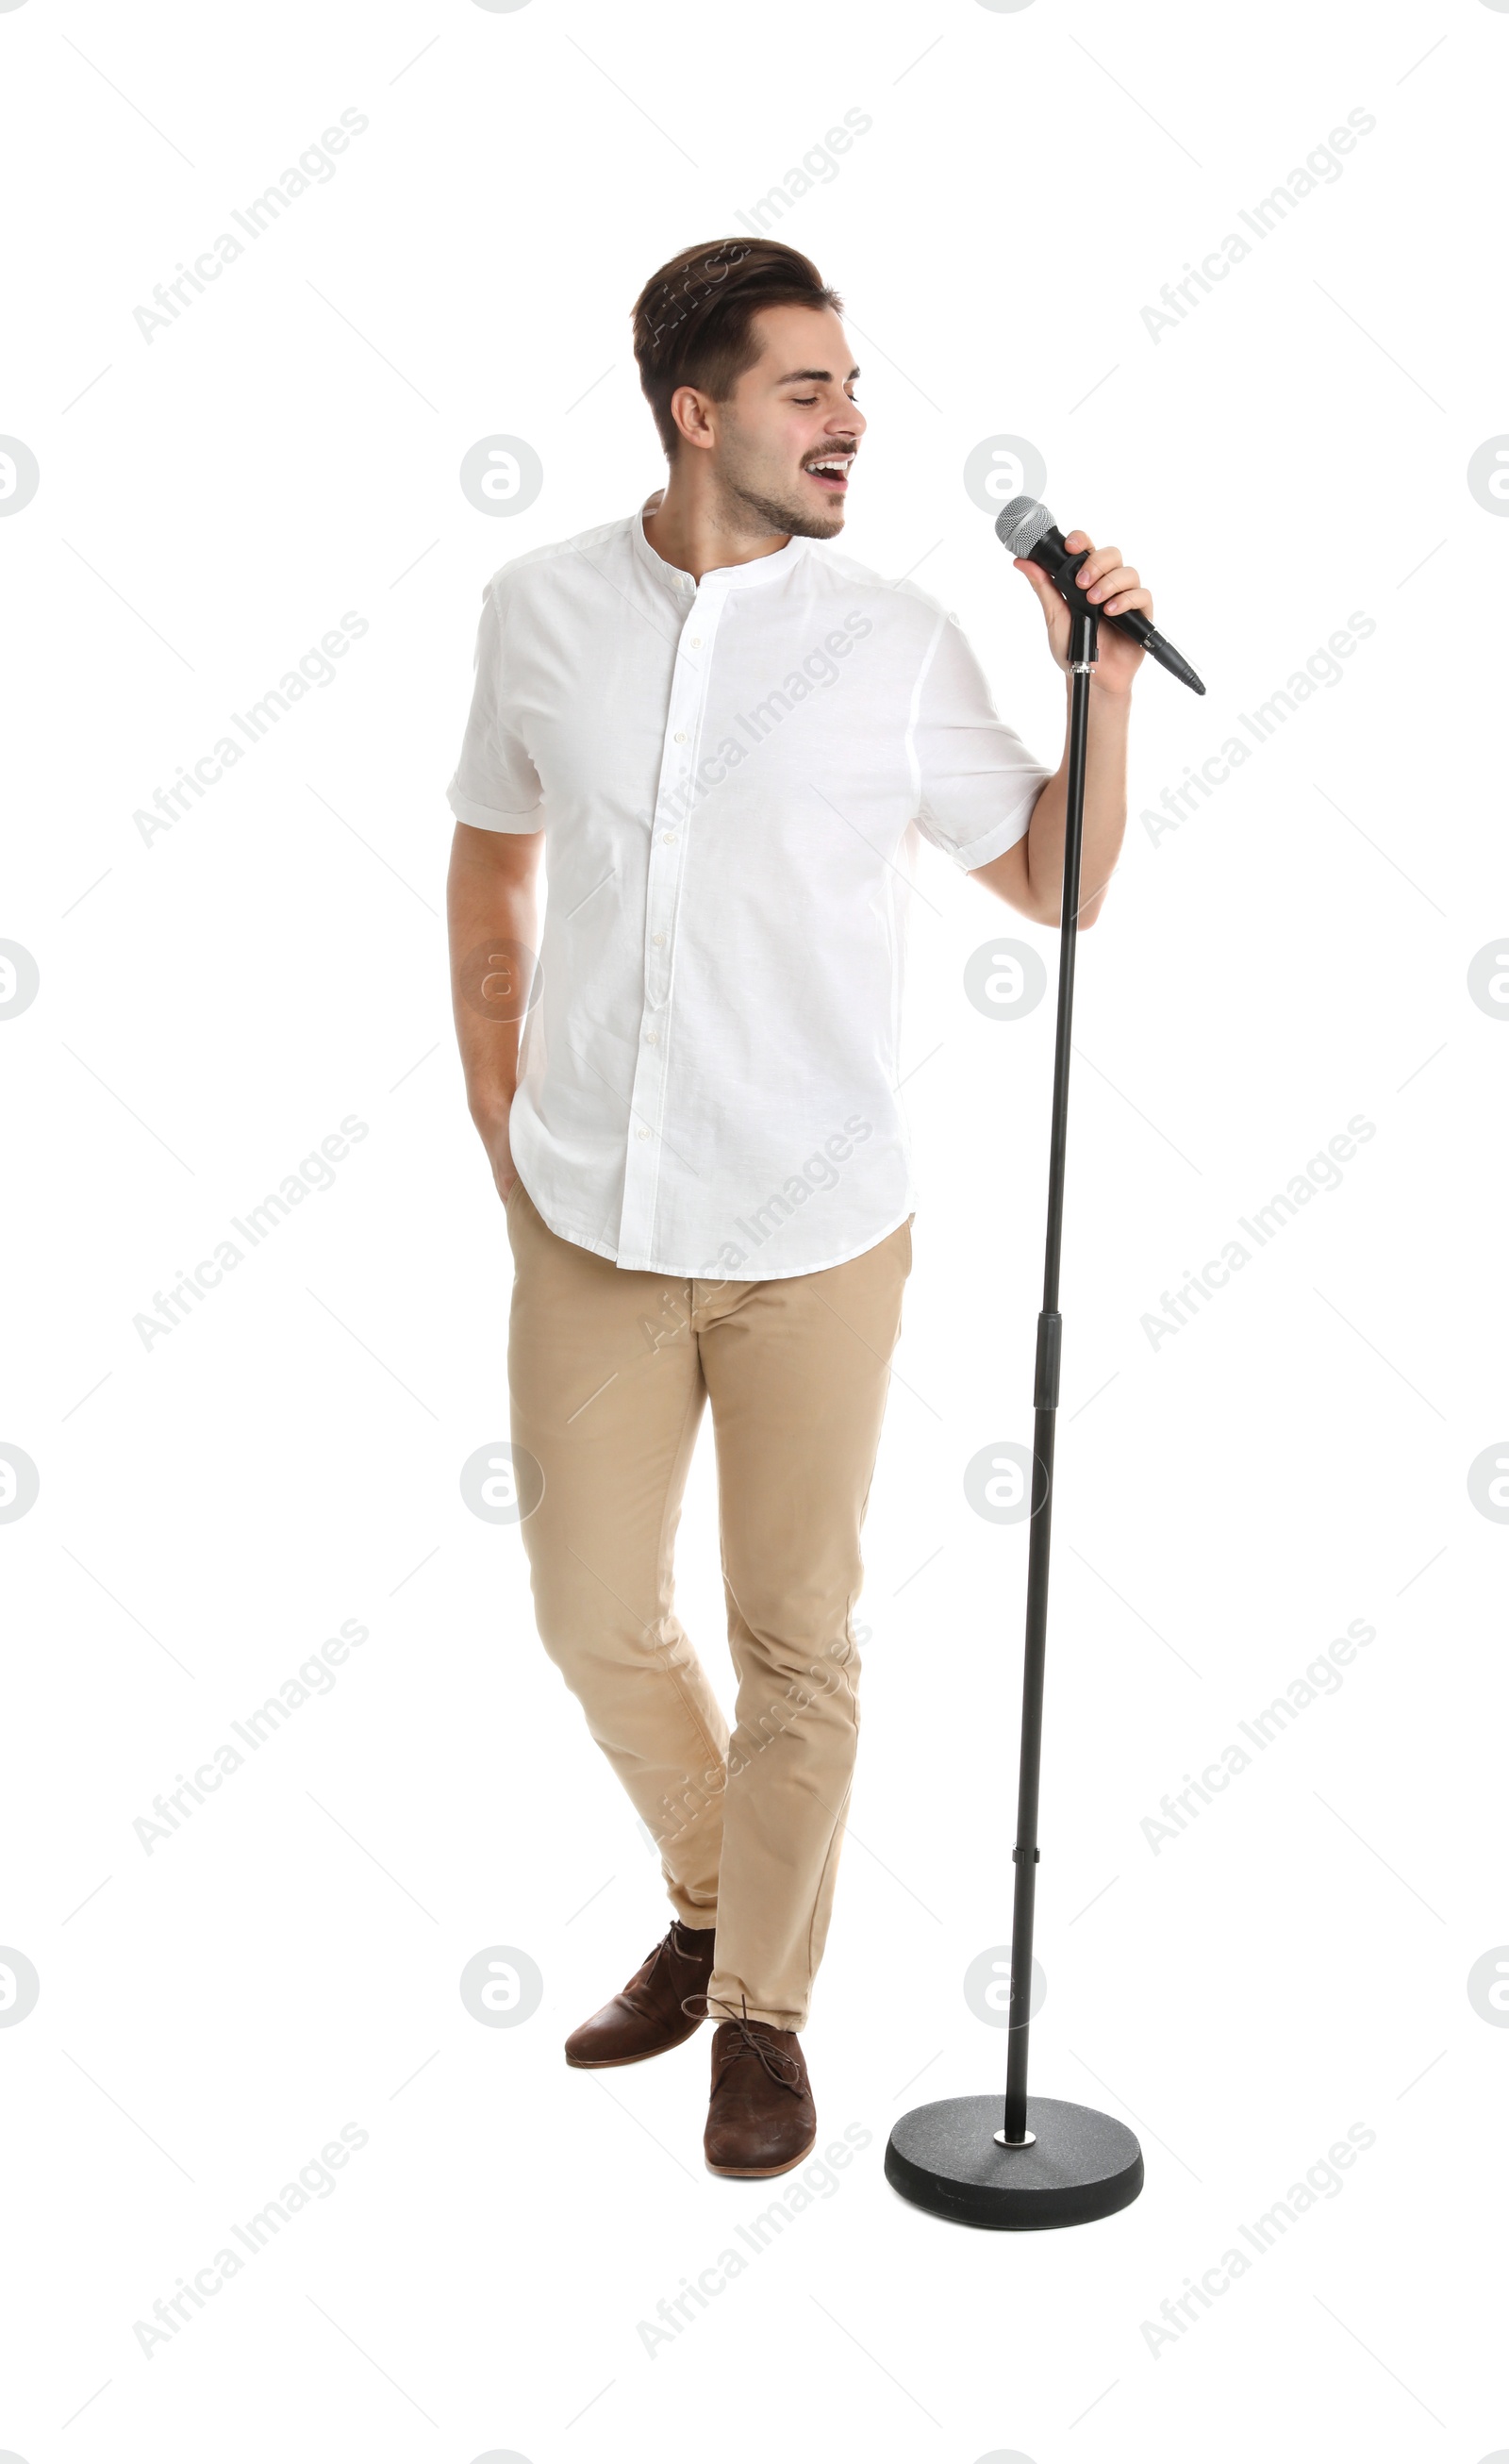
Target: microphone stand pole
[1040,2162]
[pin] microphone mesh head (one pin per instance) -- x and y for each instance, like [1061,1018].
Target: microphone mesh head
[1021,524]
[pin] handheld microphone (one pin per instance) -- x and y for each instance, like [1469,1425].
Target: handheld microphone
[1026,529]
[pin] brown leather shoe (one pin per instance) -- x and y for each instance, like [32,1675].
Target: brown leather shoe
[647,2017]
[761,2118]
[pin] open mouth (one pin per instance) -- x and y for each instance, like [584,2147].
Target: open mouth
[831,473]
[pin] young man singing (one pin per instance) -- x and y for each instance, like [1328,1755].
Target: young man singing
[722,731]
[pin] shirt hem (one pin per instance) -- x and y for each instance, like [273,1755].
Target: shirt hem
[716,1275]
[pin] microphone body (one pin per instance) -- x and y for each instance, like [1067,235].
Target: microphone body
[1027,529]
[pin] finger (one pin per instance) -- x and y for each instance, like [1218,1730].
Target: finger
[1116,576]
[1125,600]
[1048,598]
[1103,561]
[1078,539]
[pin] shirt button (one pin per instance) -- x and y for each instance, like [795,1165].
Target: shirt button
[696,641]
[659,941]
[668,838]
[681,735]
[641,1133]
[651,1037]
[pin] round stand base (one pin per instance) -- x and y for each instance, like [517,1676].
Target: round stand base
[946,2158]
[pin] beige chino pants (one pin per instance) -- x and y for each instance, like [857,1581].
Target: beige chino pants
[608,1371]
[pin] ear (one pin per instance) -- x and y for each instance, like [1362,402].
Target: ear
[690,410]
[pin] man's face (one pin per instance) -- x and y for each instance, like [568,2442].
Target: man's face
[783,444]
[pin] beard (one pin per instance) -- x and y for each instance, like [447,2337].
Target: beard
[776,505]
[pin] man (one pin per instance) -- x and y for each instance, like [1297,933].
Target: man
[724,732]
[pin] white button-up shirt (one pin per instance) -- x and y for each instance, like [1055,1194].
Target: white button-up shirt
[729,775]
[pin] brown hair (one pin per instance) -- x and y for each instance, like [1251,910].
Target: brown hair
[694,321]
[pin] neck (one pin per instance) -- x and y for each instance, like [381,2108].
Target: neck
[692,527]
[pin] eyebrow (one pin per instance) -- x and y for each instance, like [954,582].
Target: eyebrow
[823,376]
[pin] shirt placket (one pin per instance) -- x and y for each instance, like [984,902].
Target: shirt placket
[671,829]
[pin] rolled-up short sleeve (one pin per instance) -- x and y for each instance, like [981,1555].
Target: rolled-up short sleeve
[495,786]
[975,779]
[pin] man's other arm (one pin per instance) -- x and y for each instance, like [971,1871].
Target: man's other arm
[492,916]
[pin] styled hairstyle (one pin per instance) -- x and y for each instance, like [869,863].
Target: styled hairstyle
[694,319]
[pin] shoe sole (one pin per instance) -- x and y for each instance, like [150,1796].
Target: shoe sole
[622,2061]
[762,2172]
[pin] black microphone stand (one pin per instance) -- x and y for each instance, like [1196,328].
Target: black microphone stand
[1041,2161]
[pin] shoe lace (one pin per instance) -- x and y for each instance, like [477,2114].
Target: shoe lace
[782,2067]
[666,1946]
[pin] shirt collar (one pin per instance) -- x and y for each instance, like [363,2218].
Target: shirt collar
[757,570]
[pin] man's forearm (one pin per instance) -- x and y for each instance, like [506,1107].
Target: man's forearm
[1104,812]
[1030,875]
[491,915]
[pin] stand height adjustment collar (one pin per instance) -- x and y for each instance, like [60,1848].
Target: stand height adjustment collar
[1050,1344]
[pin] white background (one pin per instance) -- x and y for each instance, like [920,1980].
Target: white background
[214,1003]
